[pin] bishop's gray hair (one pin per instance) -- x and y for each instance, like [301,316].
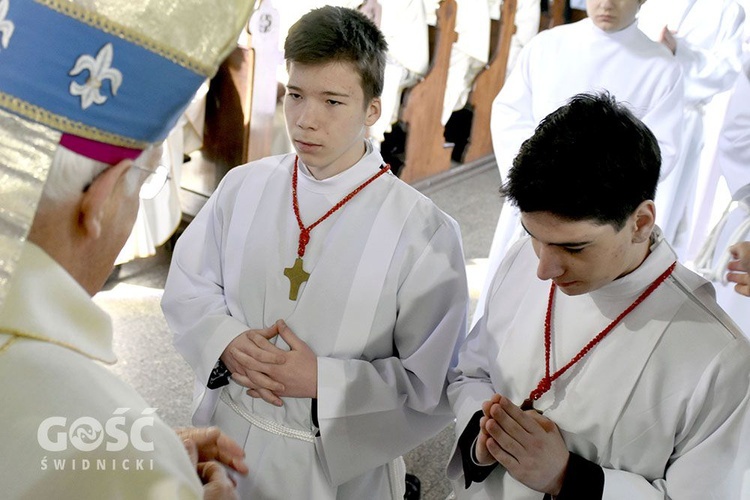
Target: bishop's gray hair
[70,174]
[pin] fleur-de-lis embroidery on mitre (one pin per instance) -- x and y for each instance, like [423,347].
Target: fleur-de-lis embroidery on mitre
[6,26]
[99,69]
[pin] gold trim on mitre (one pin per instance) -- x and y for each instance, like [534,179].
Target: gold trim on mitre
[59,122]
[189,39]
[26,153]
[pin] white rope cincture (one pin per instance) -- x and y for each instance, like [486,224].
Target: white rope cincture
[705,258]
[397,475]
[266,424]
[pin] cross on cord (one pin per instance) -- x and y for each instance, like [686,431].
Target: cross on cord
[297,276]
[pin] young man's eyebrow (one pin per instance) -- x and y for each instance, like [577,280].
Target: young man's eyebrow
[562,244]
[335,94]
[325,92]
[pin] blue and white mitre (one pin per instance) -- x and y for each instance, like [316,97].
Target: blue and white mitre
[104,78]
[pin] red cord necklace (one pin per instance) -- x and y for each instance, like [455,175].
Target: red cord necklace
[297,274]
[546,382]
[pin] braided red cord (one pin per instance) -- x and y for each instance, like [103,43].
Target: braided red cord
[546,382]
[304,234]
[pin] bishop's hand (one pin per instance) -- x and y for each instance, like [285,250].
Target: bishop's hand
[527,444]
[210,443]
[247,357]
[209,448]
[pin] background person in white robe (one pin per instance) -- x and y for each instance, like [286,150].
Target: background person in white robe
[404,26]
[606,51]
[732,160]
[711,194]
[705,37]
[654,410]
[528,14]
[337,377]
[469,53]
[76,135]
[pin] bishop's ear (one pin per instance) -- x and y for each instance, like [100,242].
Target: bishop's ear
[644,220]
[96,197]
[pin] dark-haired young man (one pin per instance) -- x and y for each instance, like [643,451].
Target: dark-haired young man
[333,292]
[601,367]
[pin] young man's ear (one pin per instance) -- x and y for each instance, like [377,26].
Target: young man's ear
[644,220]
[373,111]
[95,198]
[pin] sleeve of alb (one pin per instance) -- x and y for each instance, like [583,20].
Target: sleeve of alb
[473,472]
[584,480]
[219,376]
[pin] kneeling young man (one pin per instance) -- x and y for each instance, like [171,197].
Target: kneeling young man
[601,367]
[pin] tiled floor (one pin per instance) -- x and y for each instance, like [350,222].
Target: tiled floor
[149,362]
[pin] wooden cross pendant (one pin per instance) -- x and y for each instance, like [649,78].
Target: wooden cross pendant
[297,276]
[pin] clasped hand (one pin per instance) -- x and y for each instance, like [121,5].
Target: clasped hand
[268,372]
[527,444]
[667,38]
[739,267]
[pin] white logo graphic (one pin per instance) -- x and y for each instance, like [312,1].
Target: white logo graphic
[6,27]
[99,70]
[88,434]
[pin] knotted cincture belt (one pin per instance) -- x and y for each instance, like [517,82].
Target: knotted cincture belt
[263,423]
